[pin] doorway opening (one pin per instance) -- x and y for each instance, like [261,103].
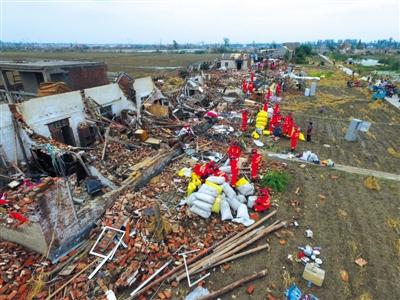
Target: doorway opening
[62,132]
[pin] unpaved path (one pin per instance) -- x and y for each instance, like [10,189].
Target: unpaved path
[344,168]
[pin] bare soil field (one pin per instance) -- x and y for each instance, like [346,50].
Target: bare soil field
[339,105]
[137,64]
[348,220]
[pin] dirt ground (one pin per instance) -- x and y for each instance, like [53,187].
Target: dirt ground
[137,64]
[348,221]
[339,105]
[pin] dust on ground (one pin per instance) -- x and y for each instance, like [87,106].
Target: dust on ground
[348,220]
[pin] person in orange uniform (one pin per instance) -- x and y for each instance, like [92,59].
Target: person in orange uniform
[294,138]
[276,109]
[288,125]
[255,164]
[251,87]
[263,201]
[244,120]
[234,152]
[244,86]
[278,89]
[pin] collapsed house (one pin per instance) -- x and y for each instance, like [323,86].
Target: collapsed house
[236,61]
[61,117]
[51,130]
[23,79]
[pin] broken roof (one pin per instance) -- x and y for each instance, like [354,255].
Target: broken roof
[144,86]
[41,64]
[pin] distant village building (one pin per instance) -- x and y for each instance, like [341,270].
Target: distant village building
[237,61]
[345,48]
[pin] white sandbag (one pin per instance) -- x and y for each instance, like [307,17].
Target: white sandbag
[241,198]
[226,213]
[191,198]
[233,203]
[242,216]
[200,212]
[209,190]
[246,190]
[228,190]
[216,180]
[251,200]
[204,197]
[225,169]
[203,205]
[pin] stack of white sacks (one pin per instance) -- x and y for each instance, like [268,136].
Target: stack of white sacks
[217,195]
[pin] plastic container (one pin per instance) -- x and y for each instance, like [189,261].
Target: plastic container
[314,274]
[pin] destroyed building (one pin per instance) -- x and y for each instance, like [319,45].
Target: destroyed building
[236,61]
[61,117]
[23,78]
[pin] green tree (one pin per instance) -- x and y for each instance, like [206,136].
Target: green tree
[175,44]
[226,42]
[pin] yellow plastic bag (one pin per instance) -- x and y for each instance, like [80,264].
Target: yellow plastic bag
[242,181]
[184,172]
[301,137]
[217,205]
[191,188]
[193,184]
[266,132]
[215,186]
[196,179]
[255,135]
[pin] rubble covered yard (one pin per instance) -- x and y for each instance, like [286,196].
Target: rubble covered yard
[241,180]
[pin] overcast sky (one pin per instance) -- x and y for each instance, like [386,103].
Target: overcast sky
[152,21]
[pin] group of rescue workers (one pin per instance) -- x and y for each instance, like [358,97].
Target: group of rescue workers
[278,125]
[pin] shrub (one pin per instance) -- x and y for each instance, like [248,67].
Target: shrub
[275,180]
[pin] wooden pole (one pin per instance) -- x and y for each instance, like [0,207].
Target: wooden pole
[228,249]
[69,281]
[239,237]
[167,275]
[233,285]
[234,248]
[239,255]
[248,229]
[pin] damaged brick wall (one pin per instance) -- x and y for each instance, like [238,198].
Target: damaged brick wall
[87,77]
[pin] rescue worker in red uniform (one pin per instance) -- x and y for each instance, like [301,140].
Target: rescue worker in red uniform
[251,87]
[278,89]
[265,107]
[275,122]
[244,120]
[276,109]
[234,152]
[255,164]
[288,125]
[294,138]
[268,95]
[263,201]
[244,86]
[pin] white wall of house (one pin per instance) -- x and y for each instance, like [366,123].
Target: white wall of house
[232,64]
[228,64]
[39,112]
